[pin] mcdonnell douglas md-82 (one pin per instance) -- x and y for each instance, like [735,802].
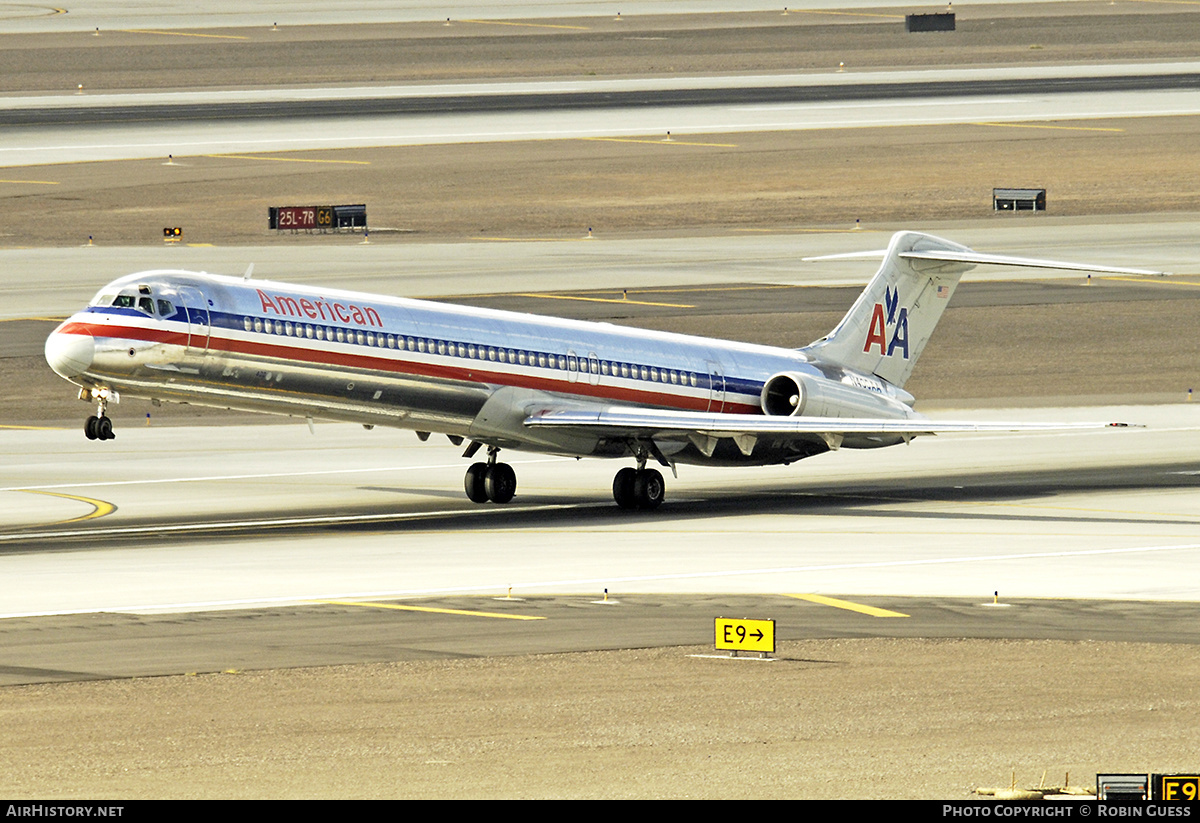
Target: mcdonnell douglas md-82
[502,380]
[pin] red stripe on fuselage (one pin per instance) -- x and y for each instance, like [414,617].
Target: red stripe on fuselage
[325,357]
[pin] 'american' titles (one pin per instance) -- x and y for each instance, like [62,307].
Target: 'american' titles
[319,310]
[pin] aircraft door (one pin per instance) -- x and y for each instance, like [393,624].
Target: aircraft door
[573,364]
[716,387]
[195,306]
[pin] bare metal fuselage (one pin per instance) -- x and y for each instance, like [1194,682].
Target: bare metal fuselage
[472,373]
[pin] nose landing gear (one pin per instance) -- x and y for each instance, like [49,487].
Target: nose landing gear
[99,426]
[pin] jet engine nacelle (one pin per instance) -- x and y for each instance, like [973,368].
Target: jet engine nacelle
[790,394]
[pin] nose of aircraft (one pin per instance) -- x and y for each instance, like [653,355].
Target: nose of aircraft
[69,353]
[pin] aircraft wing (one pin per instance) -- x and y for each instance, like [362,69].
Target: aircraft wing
[641,423]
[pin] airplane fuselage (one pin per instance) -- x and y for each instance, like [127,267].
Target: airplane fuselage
[466,372]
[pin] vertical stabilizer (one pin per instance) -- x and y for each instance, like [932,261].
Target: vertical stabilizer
[887,328]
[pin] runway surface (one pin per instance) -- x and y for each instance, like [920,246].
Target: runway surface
[557,97]
[90,14]
[193,519]
[161,131]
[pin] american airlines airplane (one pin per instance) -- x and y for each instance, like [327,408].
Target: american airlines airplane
[502,380]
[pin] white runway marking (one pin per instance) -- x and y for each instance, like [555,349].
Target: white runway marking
[265,476]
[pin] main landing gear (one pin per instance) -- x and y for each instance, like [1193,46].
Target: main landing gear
[490,481]
[639,488]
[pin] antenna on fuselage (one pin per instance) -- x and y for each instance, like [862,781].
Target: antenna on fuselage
[249,271]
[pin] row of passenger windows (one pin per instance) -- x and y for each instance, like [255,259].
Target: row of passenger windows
[543,360]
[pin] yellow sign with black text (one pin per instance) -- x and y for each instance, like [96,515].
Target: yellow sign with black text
[745,635]
[1183,788]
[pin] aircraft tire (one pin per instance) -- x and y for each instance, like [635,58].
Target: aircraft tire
[104,429]
[500,483]
[649,489]
[89,427]
[474,483]
[623,488]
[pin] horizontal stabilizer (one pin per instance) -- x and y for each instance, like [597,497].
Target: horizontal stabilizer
[975,258]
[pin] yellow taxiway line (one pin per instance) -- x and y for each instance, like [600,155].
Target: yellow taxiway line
[523,25]
[662,141]
[605,300]
[1036,126]
[100,507]
[847,605]
[183,34]
[463,612]
[288,159]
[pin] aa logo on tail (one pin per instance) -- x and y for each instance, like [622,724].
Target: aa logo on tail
[894,321]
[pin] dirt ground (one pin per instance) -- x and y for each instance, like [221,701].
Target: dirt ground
[695,184]
[831,719]
[865,718]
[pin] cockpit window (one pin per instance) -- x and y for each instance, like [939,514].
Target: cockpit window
[165,308]
[124,301]
[146,305]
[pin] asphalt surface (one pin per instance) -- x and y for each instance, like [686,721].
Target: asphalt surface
[83,115]
[117,646]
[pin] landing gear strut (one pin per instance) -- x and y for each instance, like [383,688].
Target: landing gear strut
[639,488]
[99,425]
[490,481]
